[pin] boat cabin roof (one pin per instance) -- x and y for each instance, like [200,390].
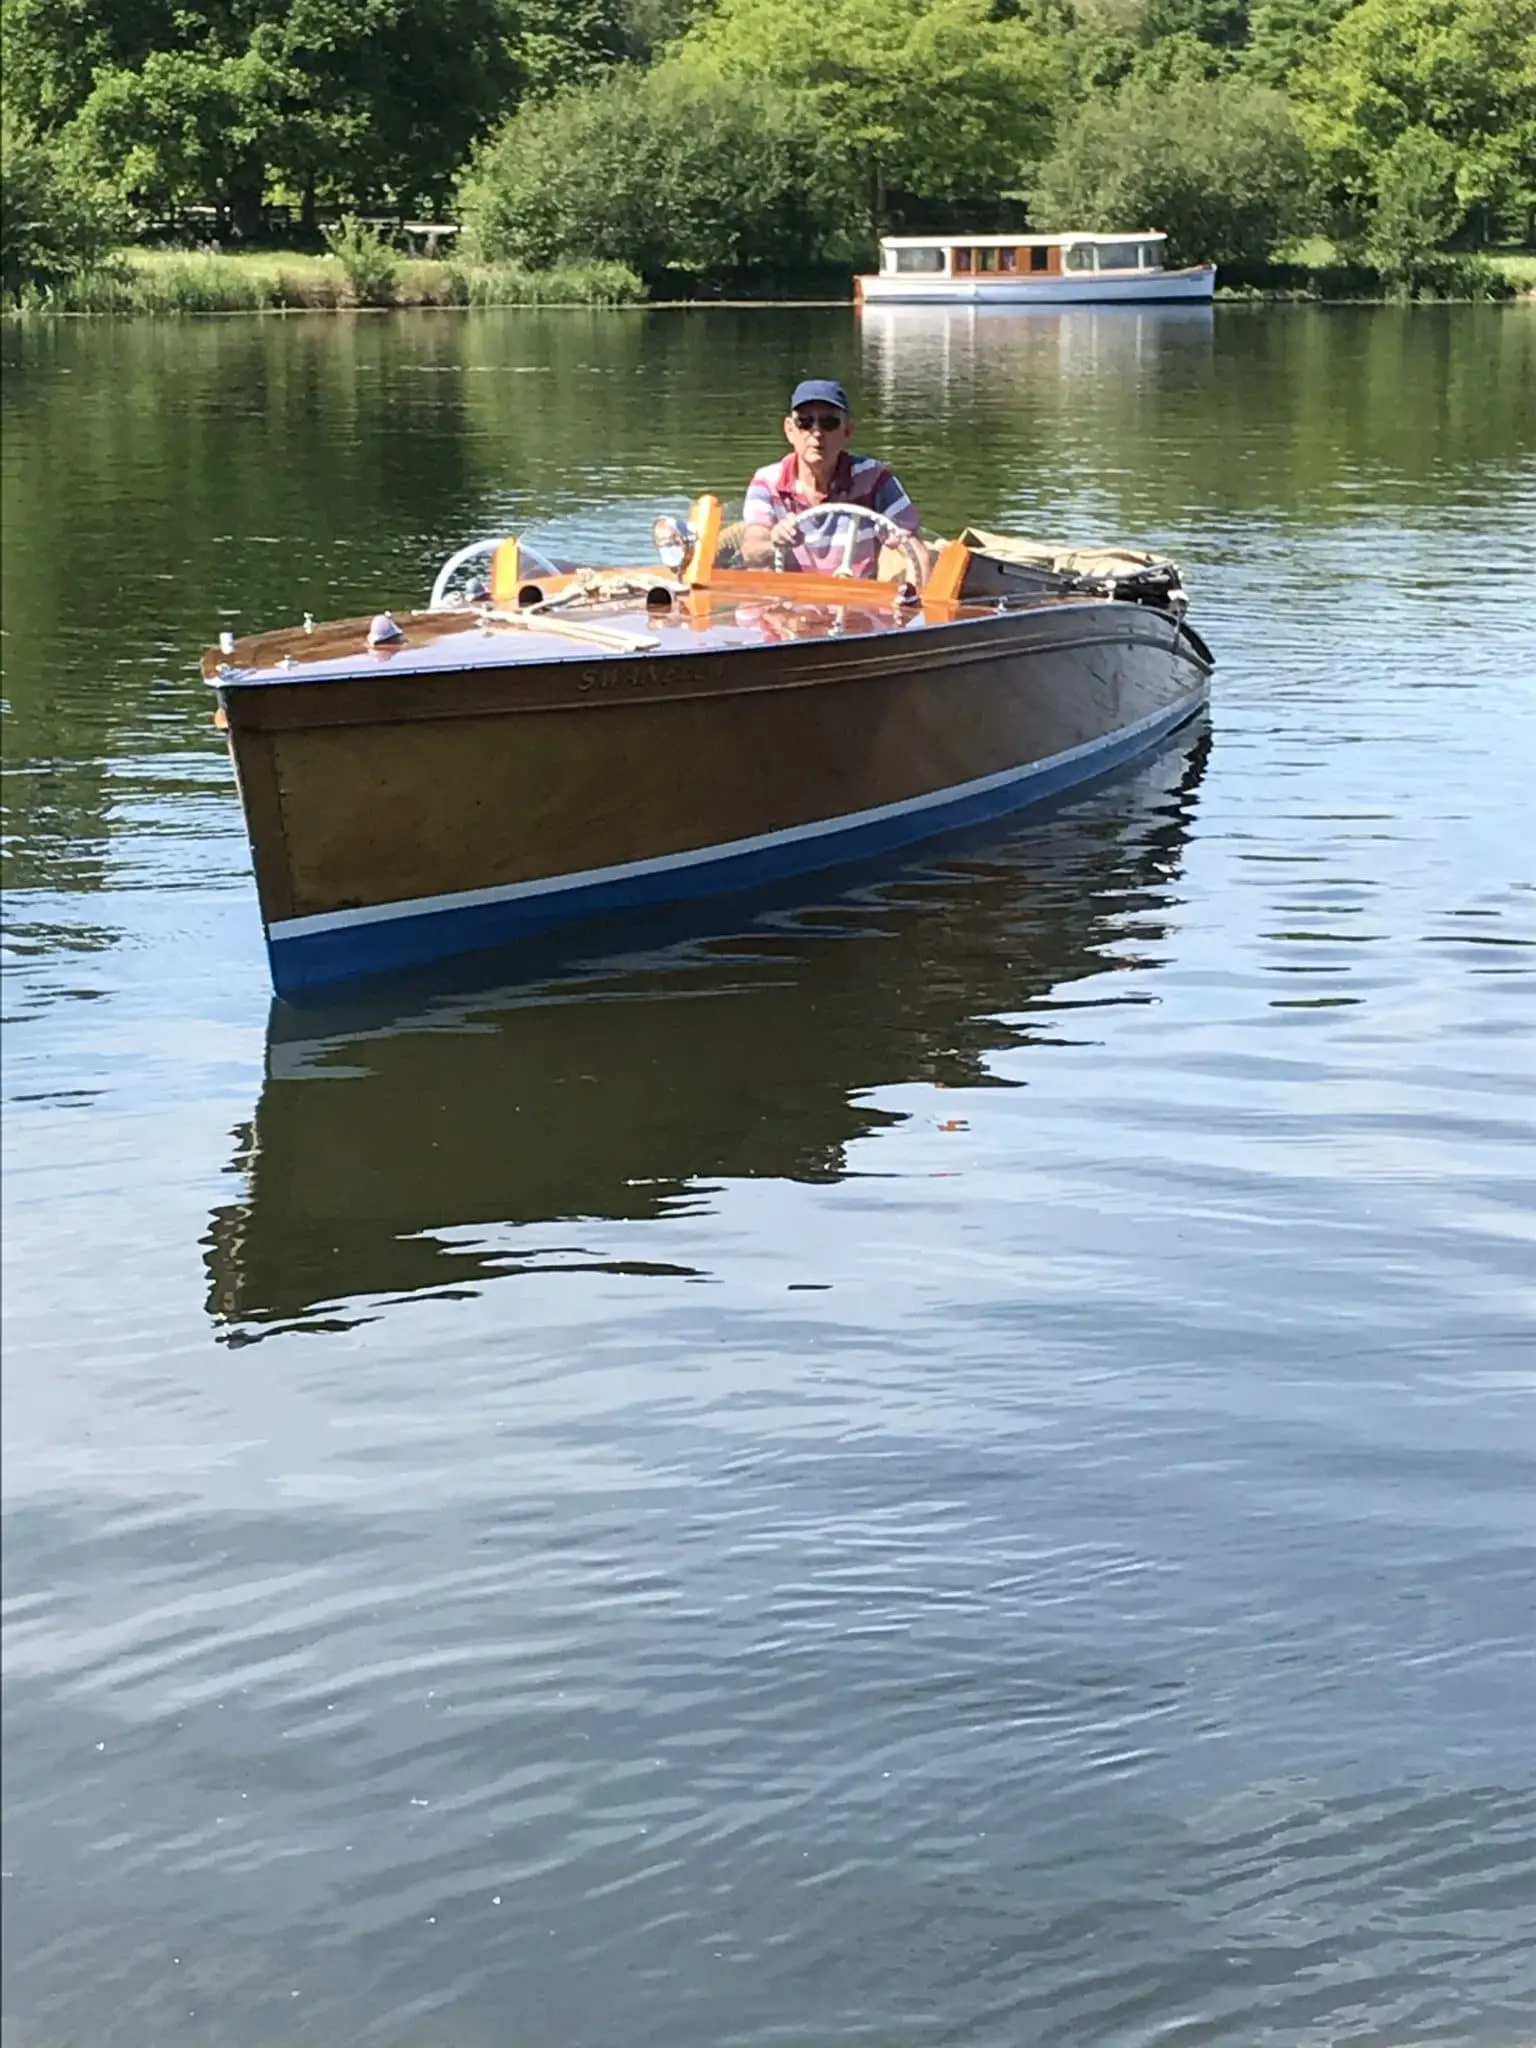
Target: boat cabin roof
[1059,241]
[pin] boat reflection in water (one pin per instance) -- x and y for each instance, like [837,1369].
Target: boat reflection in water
[931,347]
[387,1135]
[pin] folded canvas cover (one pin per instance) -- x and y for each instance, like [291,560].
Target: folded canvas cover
[1061,560]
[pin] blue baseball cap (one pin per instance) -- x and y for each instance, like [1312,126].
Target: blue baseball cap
[820,391]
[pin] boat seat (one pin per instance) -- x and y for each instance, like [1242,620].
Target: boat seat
[728,554]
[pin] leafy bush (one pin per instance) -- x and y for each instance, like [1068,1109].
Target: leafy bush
[1417,210]
[53,224]
[1446,274]
[1216,163]
[656,172]
[369,265]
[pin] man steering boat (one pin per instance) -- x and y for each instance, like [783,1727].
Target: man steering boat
[783,526]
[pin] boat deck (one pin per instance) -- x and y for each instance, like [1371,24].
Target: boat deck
[714,621]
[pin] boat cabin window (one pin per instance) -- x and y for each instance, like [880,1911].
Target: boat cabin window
[1039,258]
[960,259]
[1007,259]
[929,261]
[1118,255]
[1078,256]
[986,259]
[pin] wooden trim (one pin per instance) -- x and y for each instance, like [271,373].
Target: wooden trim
[809,588]
[706,516]
[953,640]
[946,578]
[506,575]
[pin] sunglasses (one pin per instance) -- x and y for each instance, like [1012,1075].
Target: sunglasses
[819,422]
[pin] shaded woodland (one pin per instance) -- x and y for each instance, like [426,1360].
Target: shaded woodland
[725,141]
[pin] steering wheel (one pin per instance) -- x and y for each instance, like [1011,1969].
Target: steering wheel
[896,536]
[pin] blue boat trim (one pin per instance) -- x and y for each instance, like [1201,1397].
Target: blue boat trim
[341,945]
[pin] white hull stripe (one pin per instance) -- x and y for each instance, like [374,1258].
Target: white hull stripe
[823,828]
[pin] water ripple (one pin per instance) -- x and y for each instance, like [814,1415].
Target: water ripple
[949,1465]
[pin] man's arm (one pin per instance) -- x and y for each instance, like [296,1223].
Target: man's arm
[892,500]
[889,497]
[762,524]
[757,546]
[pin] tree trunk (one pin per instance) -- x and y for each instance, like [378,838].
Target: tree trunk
[246,186]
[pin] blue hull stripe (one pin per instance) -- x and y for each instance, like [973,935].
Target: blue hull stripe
[307,952]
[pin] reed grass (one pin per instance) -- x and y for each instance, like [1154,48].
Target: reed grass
[564,284]
[169,281]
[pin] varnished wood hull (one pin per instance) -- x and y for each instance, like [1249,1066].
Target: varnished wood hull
[400,817]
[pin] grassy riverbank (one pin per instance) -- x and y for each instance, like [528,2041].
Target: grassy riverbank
[1313,269]
[180,281]
[169,281]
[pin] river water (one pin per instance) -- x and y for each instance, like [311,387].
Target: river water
[952,1464]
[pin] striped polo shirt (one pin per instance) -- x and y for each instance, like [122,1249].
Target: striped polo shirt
[858,479]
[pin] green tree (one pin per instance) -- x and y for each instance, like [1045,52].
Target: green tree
[183,127]
[1417,210]
[53,224]
[1217,164]
[657,170]
[1102,43]
[563,43]
[938,98]
[1285,34]
[221,101]
[1395,73]
[1093,43]
[1180,58]
[383,99]
[1221,24]
[54,49]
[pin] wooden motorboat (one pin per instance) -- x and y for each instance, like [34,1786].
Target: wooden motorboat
[560,745]
[1031,270]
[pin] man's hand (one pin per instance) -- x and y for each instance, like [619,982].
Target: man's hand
[759,544]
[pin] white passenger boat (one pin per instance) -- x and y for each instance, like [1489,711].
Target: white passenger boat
[1018,270]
